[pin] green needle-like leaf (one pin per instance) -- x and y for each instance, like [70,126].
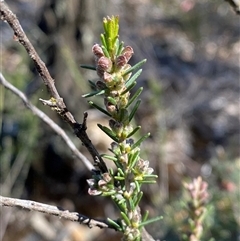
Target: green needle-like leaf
[133,159]
[97,92]
[151,221]
[88,67]
[102,37]
[112,158]
[134,131]
[120,171]
[133,78]
[139,197]
[138,186]
[127,221]
[109,132]
[145,216]
[120,48]
[119,178]
[110,193]
[92,84]
[105,51]
[147,181]
[138,143]
[136,66]
[134,110]
[129,88]
[99,108]
[115,225]
[112,100]
[135,96]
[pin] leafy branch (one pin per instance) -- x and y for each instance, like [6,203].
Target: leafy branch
[124,187]
[115,83]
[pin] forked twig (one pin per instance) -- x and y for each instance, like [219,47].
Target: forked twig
[55,100]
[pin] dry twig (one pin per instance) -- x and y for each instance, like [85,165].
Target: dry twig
[47,120]
[235,5]
[56,102]
[53,210]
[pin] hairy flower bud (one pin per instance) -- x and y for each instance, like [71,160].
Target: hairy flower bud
[97,51]
[103,64]
[121,61]
[127,52]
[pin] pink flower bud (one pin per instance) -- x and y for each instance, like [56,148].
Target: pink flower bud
[121,61]
[104,63]
[97,50]
[127,52]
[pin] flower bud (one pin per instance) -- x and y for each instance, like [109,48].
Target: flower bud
[97,51]
[127,52]
[104,64]
[121,61]
[100,85]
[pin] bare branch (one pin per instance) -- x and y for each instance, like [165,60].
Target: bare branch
[235,5]
[53,210]
[60,107]
[47,120]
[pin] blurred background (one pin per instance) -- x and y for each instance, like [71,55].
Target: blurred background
[190,105]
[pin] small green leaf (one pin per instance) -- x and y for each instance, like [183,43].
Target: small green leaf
[115,225]
[109,132]
[125,218]
[102,37]
[88,67]
[129,88]
[145,216]
[123,115]
[134,110]
[92,84]
[133,78]
[95,93]
[134,131]
[110,193]
[135,96]
[147,182]
[138,199]
[133,159]
[120,48]
[136,66]
[138,185]
[99,108]
[120,171]
[105,51]
[151,176]
[112,158]
[111,100]
[121,204]
[151,221]
[138,143]
[131,203]
[119,178]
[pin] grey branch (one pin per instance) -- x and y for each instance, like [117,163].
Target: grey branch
[53,210]
[235,5]
[47,120]
[56,100]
